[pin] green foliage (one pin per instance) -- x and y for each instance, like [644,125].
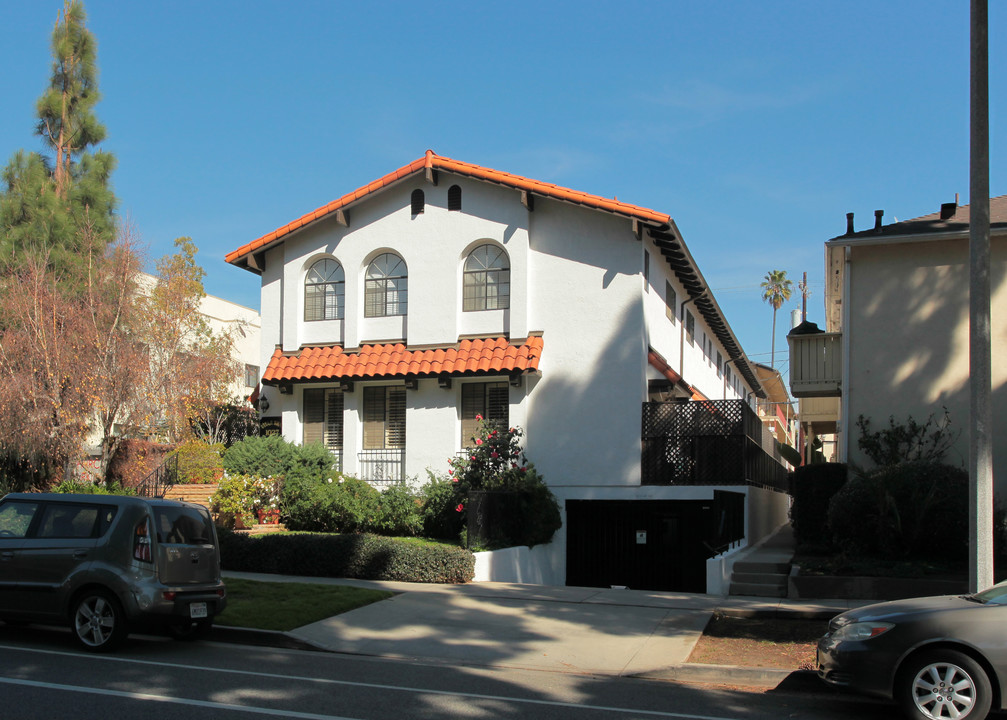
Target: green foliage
[398,512]
[340,504]
[88,488]
[366,557]
[910,441]
[812,488]
[240,496]
[516,506]
[199,462]
[263,456]
[909,510]
[61,206]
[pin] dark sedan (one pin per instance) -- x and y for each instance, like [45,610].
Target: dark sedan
[938,657]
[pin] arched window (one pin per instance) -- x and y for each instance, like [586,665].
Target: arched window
[385,286]
[324,291]
[486,284]
[418,201]
[454,198]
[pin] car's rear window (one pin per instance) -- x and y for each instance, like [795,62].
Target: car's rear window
[182,526]
[15,518]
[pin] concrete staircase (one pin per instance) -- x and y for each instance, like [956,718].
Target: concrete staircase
[765,571]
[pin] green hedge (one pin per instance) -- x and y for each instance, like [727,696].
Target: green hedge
[366,557]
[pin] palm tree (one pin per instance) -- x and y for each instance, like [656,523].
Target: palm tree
[776,290]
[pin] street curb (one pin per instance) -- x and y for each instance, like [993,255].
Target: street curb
[259,638]
[803,680]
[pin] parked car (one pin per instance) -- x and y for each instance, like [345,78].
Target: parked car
[106,564]
[938,657]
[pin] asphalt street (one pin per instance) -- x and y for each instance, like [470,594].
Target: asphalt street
[43,675]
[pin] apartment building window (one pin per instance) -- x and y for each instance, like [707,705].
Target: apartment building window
[384,418]
[386,286]
[670,300]
[251,375]
[646,271]
[454,198]
[690,327]
[323,418]
[490,400]
[720,364]
[417,202]
[324,291]
[486,282]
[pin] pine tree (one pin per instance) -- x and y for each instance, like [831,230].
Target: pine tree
[49,200]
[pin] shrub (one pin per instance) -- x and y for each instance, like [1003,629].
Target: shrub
[366,557]
[495,463]
[917,509]
[812,487]
[88,488]
[910,441]
[134,460]
[242,495]
[199,462]
[398,512]
[341,504]
[270,456]
[440,498]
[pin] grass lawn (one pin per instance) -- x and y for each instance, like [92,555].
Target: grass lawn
[285,606]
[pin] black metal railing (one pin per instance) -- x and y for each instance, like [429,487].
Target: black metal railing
[708,442]
[160,480]
[382,467]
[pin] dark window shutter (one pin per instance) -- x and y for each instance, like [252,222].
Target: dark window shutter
[314,415]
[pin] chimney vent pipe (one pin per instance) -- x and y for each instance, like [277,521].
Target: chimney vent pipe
[849,223]
[878,214]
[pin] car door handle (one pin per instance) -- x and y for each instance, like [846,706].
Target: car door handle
[80,553]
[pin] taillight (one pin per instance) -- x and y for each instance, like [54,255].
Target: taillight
[141,541]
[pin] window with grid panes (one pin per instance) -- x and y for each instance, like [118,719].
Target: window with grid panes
[670,300]
[720,364]
[491,400]
[486,283]
[324,291]
[386,286]
[323,417]
[690,327]
[384,418]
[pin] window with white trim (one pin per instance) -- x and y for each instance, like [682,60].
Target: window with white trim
[324,291]
[486,279]
[690,327]
[670,301]
[386,287]
[490,400]
[384,418]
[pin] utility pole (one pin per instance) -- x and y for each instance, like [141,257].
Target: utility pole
[980,377]
[805,292]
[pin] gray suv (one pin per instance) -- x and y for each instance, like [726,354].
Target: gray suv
[108,563]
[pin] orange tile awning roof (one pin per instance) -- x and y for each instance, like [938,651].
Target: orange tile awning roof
[432,161]
[469,357]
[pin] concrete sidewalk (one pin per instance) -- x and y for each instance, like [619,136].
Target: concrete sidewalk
[562,629]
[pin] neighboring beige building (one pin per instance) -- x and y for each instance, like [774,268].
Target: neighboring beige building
[897,322]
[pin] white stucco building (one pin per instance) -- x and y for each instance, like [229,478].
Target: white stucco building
[396,313]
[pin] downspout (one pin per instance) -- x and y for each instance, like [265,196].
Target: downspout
[681,334]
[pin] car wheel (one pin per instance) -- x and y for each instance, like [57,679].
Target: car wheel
[188,629]
[944,684]
[98,621]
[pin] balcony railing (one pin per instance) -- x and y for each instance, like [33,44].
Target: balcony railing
[816,364]
[708,442]
[382,467]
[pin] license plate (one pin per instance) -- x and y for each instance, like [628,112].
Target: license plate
[197,610]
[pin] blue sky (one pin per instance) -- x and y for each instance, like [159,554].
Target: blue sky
[756,125]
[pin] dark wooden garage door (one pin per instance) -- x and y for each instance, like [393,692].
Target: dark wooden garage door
[641,544]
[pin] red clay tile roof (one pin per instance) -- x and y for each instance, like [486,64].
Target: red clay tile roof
[493,355]
[436,162]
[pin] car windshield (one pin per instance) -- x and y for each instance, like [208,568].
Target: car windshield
[996,595]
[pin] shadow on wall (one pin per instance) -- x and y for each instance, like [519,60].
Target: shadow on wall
[909,325]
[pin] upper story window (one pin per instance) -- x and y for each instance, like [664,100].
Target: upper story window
[690,327]
[324,291]
[454,198]
[486,284]
[385,287]
[418,202]
[670,300]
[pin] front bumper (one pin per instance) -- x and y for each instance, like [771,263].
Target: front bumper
[864,666]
